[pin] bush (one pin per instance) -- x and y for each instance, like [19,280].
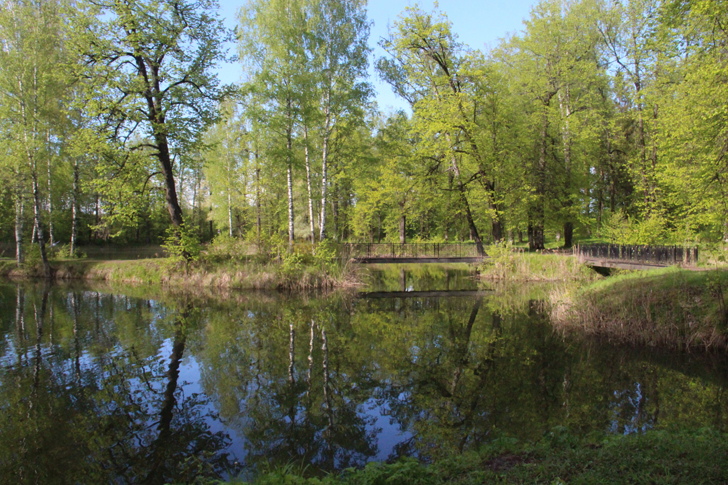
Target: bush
[64,251]
[182,245]
[33,259]
[226,248]
[618,228]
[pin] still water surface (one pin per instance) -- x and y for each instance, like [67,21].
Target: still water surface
[139,386]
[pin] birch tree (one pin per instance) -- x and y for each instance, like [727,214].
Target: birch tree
[341,32]
[273,40]
[32,85]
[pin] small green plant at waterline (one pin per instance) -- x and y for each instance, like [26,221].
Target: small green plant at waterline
[324,256]
[32,258]
[182,245]
[501,260]
[64,252]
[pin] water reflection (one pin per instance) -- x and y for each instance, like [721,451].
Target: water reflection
[102,387]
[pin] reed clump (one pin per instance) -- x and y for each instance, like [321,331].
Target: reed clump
[672,308]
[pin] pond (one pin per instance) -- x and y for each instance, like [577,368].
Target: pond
[142,385]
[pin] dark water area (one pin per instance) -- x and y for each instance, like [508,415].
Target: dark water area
[139,386]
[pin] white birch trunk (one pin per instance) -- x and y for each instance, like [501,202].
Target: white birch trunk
[51,240]
[19,213]
[324,171]
[289,129]
[308,184]
[74,210]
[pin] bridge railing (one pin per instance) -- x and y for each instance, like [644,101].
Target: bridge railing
[410,250]
[667,255]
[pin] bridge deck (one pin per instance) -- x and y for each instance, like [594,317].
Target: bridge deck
[402,260]
[622,264]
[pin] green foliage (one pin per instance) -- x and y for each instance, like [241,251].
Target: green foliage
[618,228]
[597,119]
[324,256]
[64,251]
[33,259]
[501,261]
[182,245]
[660,457]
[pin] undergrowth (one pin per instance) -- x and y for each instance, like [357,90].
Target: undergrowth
[656,457]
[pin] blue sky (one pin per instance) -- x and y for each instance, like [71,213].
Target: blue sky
[479,24]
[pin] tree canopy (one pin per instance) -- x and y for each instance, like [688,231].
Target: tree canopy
[599,119]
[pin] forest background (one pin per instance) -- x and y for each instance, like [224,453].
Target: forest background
[600,119]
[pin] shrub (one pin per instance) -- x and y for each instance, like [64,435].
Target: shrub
[182,245]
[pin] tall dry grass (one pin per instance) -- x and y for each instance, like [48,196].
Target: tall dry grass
[671,308]
[506,264]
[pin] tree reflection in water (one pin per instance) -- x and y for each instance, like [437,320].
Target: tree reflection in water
[107,388]
[88,407]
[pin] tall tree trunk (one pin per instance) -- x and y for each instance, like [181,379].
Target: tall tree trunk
[74,209]
[463,198]
[291,353]
[327,394]
[19,214]
[170,190]
[325,170]
[97,217]
[308,184]
[536,213]
[229,190]
[565,109]
[310,359]
[335,208]
[20,316]
[291,221]
[159,458]
[402,224]
[76,343]
[51,239]
[258,222]
[39,227]
[379,227]
[230,215]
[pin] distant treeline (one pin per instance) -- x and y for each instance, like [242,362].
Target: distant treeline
[601,118]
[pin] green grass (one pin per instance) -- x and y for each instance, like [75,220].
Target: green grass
[670,306]
[656,457]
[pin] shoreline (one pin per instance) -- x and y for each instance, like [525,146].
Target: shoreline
[671,307]
[233,276]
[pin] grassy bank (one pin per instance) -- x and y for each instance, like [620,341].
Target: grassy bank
[656,457]
[669,307]
[231,274]
[507,264]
